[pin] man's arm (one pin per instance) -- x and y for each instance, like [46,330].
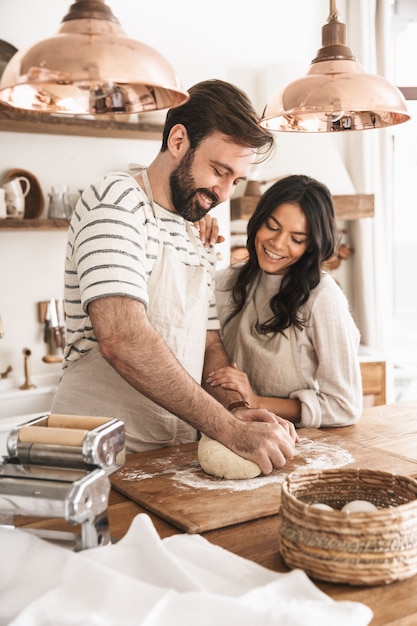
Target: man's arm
[139,354]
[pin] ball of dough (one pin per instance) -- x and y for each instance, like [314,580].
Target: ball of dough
[321,505]
[219,461]
[359,506]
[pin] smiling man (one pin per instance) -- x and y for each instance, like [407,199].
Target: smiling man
[142,327]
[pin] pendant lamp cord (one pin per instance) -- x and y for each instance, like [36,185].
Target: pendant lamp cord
[334,13]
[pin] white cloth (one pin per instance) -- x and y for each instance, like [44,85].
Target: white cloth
[183,580]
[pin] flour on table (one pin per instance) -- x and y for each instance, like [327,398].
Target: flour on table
[309,455]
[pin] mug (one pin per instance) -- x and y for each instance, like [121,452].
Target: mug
[15,196]
[3,207]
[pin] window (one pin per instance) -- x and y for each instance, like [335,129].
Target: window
[404,34]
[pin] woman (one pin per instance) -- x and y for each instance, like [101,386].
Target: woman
[286,323]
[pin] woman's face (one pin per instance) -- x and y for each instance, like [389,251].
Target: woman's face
[282,240]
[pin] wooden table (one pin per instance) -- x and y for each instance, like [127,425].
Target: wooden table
[389,435]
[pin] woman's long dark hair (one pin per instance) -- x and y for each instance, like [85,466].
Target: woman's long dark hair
[316,203]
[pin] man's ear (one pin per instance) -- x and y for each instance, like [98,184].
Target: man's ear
[178,142]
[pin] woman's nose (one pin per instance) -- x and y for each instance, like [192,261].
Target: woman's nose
[278,240]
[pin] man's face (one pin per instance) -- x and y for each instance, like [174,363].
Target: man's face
[208,175]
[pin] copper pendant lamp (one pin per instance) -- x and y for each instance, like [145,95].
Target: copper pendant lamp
[336,94]
[90,67]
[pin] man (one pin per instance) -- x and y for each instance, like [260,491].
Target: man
[142,329]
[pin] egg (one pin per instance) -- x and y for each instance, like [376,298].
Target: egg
[320,505]
[359,506]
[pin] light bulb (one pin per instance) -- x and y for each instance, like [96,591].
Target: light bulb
[335,116]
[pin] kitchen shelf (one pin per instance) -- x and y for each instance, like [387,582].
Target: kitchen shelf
[119,126]
[348,207]
[33,224]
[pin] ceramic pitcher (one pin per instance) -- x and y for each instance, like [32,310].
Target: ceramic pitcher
[15,195]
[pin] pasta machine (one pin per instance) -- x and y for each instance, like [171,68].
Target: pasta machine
[58,466]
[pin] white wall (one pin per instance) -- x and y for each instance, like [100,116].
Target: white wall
[231,40]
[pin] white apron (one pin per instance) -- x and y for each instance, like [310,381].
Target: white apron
[178,311]
[257,355]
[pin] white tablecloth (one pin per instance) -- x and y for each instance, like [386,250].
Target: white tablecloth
[183,580]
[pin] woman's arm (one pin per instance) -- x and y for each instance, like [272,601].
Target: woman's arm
[336,398]
[328,364]
[233,378]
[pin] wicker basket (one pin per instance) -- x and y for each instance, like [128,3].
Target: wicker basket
[367,548]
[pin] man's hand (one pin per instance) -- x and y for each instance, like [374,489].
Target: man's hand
[265,439]
[263,415]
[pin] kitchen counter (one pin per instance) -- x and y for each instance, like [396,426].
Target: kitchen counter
[386,435]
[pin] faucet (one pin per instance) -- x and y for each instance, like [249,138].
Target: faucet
[6,372]
[27,384]
[9,368]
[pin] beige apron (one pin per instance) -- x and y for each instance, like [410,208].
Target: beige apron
[257,355]
[178,311]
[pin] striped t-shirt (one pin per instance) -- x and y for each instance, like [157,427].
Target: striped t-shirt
[112,246]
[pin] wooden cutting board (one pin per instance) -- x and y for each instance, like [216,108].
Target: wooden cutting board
[170,482]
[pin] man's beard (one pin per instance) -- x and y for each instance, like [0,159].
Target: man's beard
[184,193]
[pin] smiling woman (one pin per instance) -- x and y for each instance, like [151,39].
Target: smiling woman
[279,313]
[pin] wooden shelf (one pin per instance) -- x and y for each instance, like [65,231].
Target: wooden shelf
[353,207]
[111,125]
[33,224]
[349,207]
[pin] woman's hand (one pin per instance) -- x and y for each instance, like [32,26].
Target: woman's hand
[231,377]
[209,230]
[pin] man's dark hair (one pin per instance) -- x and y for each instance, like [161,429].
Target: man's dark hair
[216,105]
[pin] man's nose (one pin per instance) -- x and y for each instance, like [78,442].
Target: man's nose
[224,190]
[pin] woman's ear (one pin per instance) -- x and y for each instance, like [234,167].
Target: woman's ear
[178,142]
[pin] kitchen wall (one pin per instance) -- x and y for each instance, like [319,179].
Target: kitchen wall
[257,47]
